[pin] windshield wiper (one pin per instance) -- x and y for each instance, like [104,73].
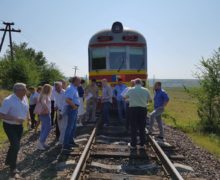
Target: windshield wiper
[141,66]
[123,60]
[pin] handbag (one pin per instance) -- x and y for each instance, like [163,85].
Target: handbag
[39,109]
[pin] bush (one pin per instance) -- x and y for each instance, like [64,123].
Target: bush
[28,66]
[18,71]
[208,94]
[49,74]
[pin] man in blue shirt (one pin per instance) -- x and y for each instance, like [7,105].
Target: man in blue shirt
[160,101]
[119,88]
[71,110]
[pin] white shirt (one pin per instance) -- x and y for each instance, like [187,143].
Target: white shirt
[52,98]
[33,98]
[60,100]
[16,107]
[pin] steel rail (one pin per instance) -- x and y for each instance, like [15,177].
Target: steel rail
[167,164]
[84,156]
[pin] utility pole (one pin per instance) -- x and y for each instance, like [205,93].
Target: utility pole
[8,28]
[75,69]
[153,80]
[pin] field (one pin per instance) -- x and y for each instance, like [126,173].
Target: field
[180,113]
[3,93]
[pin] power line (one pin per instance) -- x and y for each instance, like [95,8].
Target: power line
[75,69]
[8,28]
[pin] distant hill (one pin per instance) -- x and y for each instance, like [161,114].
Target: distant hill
[176,82]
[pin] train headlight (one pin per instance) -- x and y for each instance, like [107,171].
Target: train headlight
[117,27]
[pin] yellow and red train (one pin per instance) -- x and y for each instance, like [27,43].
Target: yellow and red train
[117,53]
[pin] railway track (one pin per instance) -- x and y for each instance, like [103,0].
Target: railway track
[107,149]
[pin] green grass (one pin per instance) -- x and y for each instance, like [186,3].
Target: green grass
[209,142]
[3,94]
[181,113]
[3,138]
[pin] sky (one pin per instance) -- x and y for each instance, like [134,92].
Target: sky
[178,33]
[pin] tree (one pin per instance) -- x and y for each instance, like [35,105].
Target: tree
[50,73]
[18,71]
[209,93]
[28,66]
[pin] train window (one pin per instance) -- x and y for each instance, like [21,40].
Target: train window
[98,59]
[137,60]
[117,58]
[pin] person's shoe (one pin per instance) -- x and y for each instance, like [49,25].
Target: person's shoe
[67,150]
[74,145]
[105,125]
[58,143]
[14,174]
[80,125]
[149,132]
[7,163]
[132,147]
[14,171]
[40,146]
[141,147]
[46,145]
[160,137]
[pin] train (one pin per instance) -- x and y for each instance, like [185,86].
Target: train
[115,53]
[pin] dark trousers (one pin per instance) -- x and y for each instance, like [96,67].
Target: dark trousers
[127,116]
[14,133]
[52,112]
[105,112]
[121,110]
[57,127]
[138,117]
[33,121]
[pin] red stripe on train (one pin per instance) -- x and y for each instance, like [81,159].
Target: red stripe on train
[118,44]
[124,77]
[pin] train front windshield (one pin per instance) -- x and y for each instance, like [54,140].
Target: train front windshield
[137,58]
[98,59]
[117,58]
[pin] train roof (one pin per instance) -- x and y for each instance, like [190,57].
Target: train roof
[117,30]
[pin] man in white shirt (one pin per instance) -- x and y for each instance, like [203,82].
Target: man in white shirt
[138,100]
[13,112]
[106,100]
[91,92]
[59,107]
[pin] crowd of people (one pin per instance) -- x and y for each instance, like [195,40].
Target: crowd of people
[62,106]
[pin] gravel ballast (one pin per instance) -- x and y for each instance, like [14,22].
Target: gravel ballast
[36,164]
